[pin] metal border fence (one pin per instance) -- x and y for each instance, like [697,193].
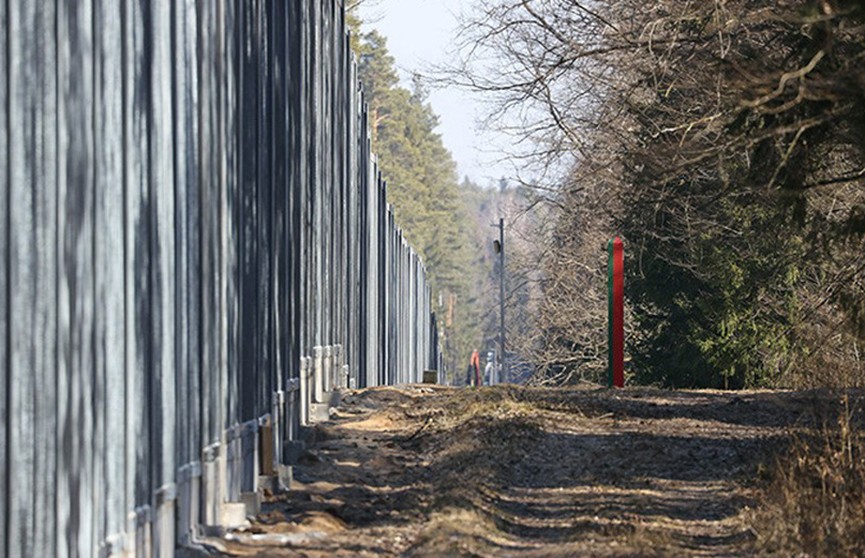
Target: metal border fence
[197,252]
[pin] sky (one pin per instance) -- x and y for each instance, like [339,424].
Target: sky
[420,36]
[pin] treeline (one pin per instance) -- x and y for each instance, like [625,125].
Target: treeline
[725,142]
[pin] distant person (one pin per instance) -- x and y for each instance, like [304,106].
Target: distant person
[476,367]
[489,371]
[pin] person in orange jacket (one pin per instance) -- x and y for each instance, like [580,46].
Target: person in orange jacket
[476,368]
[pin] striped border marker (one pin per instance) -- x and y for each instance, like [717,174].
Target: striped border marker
[616,323]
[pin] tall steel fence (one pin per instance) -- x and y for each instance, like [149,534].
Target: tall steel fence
[197,252]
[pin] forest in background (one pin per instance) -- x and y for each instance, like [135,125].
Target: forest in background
[725,142]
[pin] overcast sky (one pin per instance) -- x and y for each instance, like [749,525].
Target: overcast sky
[421,35]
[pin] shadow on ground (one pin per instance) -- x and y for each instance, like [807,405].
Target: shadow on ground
[510,471]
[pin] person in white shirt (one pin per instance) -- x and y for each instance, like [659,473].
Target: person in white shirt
[489,371]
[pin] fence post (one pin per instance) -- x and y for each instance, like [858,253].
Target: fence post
[616,321]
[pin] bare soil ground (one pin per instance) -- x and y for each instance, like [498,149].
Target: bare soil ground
[512,471]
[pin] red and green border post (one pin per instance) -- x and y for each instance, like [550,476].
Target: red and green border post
[616,324]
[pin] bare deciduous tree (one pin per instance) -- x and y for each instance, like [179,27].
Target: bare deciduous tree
[725,139]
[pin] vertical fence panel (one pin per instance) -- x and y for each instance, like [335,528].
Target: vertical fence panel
[188,212]
[363,219]
[230,116]
[247,125]
[212,278]
[375,277]
[340,256]
[325,169]
[302,173]
[109,252]
[353,228]
[137,271]
[317,166]
[208,257]
[331,130]
[279,294]
[264,386]
[77,300]
[43,109]
[163,272]
[383,282]
[295,257]
[23,275]
[303,177]
[5,220]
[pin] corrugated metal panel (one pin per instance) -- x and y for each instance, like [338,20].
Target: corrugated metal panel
[77,296]
[24,272]
[109,335]
[137,258]
[5,221]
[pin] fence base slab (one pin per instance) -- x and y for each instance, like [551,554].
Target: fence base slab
[164,530]
[293,450]
[285,474]
[233,515]
[319,412]
[143,545]
[115,547]
[212,494]
[252,501]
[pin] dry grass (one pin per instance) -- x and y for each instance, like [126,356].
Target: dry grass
[815,502]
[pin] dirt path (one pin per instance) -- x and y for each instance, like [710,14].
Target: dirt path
[509,471]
